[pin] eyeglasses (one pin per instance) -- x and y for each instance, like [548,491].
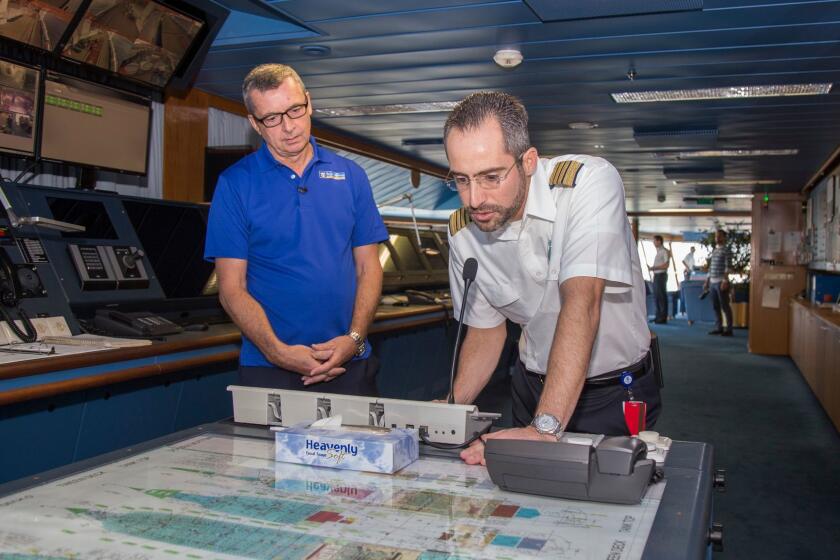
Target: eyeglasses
[485,181]
[274,119]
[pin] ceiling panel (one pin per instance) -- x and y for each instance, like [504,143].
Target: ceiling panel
[386,52]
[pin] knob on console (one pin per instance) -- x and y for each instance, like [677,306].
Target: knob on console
[130,260]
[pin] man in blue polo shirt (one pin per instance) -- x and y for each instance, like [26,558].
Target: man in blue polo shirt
[294,233]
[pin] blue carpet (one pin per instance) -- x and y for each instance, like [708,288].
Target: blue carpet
[780,450]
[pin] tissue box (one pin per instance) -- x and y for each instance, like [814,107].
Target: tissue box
[379,452]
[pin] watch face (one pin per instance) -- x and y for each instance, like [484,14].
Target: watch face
[546,423]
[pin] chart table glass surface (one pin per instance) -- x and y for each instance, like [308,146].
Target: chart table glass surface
[222,496]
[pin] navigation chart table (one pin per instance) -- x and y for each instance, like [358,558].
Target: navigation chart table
[216,493]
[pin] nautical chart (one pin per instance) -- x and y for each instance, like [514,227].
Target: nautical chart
[222,497]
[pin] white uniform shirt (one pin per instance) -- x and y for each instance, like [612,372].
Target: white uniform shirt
[564,233]
[661,258]
[688,262]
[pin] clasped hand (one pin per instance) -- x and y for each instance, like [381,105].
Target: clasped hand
[319,362]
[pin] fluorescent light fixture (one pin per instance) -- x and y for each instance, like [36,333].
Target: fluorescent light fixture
[681,210]
[582,125]
[362,110]
[736,153]
[734,92]
[739,195]
[713,182]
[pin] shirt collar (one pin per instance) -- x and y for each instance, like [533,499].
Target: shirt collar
[540,203]
[267,162]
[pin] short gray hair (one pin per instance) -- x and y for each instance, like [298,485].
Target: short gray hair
[508,111]
[266,77]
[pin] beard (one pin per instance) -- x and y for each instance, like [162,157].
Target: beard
[504,214]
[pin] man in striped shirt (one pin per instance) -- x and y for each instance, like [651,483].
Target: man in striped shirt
[718,284]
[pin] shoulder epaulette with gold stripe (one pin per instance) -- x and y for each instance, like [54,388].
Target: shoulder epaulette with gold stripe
[459,220]
[565,173]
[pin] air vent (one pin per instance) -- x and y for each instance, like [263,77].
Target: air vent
[361,110]
[681,137]
[422,142]
[566,10]
[695,172]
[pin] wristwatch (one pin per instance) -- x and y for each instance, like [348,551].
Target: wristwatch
[360,342]
[547,424]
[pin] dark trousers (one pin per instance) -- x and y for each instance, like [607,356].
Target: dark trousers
[359,379]
[599,409]
[720,301]
[660,286]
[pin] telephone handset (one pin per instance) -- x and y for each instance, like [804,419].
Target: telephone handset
[10,298]
[138,323]
[419,297]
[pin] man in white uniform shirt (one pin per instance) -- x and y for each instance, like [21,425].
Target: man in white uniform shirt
[660,279]
[689,264]
[556,255]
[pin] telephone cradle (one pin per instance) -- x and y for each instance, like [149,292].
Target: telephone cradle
[136,324]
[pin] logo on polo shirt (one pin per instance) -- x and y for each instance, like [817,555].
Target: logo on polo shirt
[334,175]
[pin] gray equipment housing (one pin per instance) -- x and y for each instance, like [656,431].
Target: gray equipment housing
[614,470]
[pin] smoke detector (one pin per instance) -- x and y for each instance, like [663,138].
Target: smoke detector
[508,58]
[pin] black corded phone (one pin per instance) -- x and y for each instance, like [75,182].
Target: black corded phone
[137,324]
[420,297]
[10,298]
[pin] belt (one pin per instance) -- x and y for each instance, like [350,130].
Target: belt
[639,369]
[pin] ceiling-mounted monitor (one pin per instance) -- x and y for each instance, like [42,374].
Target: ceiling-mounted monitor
[142,40]
[38,23]
[92,125]
[18,108]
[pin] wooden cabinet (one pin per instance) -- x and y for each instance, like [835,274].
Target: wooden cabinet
[815,348]
[768,324]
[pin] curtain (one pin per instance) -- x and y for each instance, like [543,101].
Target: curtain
[227,129]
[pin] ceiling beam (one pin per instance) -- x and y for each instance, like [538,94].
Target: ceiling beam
[830,165]
[335,139]
[693,213]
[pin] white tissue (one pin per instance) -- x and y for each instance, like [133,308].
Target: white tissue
[328,423]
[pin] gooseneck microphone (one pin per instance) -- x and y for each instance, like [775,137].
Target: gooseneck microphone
[470,270]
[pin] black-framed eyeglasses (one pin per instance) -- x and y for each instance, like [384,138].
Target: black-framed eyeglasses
[274,119]
[485,181]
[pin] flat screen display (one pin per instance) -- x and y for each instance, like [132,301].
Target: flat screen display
[138,39]
[39,23]
[89,213]
[92,125]
[18,96]
[172,234]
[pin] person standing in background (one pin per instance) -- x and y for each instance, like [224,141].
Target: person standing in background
[689,264]
[660,279]
[720,265]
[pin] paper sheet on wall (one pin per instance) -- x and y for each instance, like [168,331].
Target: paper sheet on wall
[771,296]
[774,242]
[791,241]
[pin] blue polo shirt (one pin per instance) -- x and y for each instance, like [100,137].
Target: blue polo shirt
[297,234]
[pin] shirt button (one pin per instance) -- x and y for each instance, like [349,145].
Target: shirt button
[294,176]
